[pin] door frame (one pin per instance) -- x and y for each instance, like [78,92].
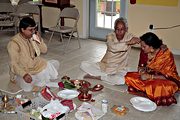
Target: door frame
[86,13]
[85,32]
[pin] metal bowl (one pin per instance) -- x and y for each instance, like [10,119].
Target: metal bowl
[80,83]
[97,87]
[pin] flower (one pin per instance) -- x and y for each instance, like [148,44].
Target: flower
[61,84]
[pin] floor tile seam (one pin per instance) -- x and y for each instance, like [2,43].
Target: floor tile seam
[70,68]
[122,91]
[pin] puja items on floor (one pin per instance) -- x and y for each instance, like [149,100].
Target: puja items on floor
[54,109]
[51,111]
[68,103]
[81,85]
[66,83]
[7,104]
[88,112]
[47,106]
[119,110]
[21,99]
[68,94]
[84,91]
[47,94]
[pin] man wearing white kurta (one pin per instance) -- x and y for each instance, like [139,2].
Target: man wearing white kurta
[113,65]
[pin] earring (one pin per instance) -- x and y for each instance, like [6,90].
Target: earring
[152,50]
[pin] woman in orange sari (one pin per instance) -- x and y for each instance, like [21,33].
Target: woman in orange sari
[158,79]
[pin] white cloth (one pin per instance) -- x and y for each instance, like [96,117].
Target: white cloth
[42,78]
[93,69]
[94,112]
[53,109]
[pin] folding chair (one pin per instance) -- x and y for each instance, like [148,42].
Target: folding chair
[66,14]
[6,20]
[25,10]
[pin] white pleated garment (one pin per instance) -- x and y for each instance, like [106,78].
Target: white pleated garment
[93,69]
[42,78]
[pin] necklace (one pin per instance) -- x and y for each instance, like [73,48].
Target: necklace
[152,55]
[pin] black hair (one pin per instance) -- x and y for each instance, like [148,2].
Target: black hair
[151,39]
[26,22]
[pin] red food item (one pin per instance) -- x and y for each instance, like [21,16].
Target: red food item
[46,95]
[61,84]
[68,103]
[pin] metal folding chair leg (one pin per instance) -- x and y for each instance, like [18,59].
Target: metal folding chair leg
[78,39]
[69,39]
[61,38]
[50,38]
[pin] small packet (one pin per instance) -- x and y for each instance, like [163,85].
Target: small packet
[119,110]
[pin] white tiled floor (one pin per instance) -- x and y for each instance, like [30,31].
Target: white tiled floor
[69,65]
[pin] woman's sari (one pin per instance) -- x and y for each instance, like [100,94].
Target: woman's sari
[159,90]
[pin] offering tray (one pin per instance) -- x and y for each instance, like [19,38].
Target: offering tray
[79,83]
[9,106]
[82,86]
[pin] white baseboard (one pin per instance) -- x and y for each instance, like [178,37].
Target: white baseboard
[175,51]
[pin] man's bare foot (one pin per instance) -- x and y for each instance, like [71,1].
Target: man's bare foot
[92,77]
[134,91]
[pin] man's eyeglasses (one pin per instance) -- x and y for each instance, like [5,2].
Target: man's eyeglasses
[32,29]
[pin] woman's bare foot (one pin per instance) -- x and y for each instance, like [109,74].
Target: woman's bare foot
[92,77]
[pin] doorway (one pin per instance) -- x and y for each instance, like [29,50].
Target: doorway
[103,13]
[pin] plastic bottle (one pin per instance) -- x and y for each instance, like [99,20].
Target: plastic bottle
[104,105]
